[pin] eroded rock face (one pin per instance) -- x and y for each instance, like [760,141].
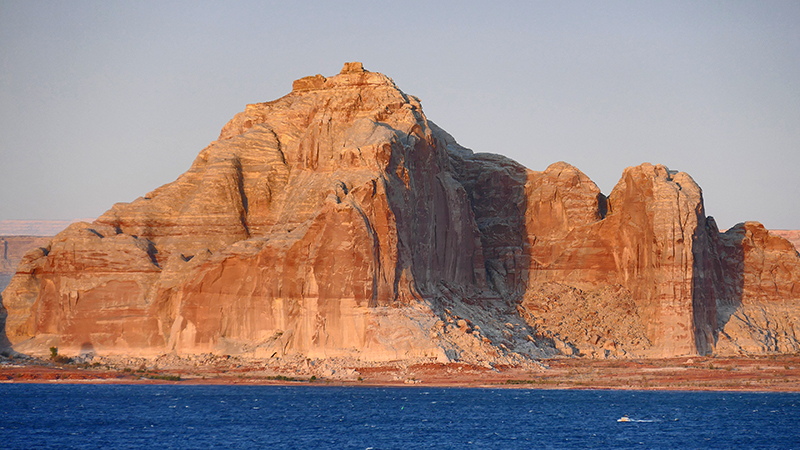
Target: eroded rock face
[338,221]
[640,238]
[640,273]
[88,288]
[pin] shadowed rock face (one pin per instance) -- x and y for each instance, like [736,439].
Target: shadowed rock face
[338,221]
[759,312]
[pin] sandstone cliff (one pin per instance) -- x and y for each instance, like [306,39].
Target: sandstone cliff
[338,221]
[617,275]
[12,249]
[325,223]
[762,275]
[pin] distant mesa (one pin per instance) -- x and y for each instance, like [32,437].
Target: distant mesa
[792,236]
[12,249]
[339,222]
[35,227]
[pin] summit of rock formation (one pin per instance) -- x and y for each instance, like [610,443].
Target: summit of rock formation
[339,222]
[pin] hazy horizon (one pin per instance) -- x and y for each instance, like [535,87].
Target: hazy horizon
[104,102]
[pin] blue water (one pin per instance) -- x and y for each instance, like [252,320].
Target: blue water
[233,417]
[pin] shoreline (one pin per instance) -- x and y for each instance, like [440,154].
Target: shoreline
[777,373]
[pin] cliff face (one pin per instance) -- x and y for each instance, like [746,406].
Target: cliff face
[318,223]
[338,221]
[12,250]
[759,314]
[585,265]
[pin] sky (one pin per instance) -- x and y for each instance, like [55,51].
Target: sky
[102,102]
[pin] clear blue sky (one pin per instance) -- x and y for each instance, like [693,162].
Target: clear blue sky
[101,102]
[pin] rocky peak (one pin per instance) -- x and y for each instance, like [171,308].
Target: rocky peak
[352,74]
[353,67]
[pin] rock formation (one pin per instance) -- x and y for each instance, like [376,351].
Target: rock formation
[12,249]
[762,276]
[338,221]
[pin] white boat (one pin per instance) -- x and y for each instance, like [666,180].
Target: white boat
[624,419]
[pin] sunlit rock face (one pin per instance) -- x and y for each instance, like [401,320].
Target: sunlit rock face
[338,221]
[316,223]
[653,225]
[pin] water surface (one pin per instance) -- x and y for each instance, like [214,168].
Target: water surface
[54,416]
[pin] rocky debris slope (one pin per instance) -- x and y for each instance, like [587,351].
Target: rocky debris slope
[339,222]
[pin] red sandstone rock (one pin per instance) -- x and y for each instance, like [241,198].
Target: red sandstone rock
[317,223]
[760,312]
[338,221]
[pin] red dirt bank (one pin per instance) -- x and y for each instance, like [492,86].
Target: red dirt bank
[770,373]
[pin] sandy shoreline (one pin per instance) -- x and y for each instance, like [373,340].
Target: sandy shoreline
[755,374]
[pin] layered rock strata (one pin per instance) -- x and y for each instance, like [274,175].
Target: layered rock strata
[322,223]
[339,222]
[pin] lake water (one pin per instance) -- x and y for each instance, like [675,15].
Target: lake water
[34,416]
